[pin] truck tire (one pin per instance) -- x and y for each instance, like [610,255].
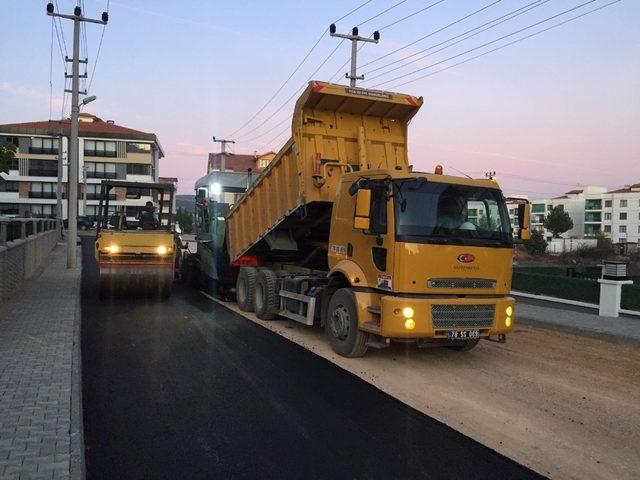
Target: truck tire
[245,288]
[341,325]
[266,297]
[466,346]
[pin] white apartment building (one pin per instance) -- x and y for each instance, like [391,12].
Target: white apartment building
[106,151]
[592,209]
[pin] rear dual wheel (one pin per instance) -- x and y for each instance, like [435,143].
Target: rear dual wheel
[246,288]
[267,297]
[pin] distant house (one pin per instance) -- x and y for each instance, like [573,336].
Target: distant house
[240,162]
[106,150]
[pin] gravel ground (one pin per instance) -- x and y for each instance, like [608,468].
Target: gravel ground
[564,405]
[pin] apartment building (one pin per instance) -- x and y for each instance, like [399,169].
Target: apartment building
[106,151]
[592,209]
[166,201]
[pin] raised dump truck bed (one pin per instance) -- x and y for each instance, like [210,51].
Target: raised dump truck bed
[286,214]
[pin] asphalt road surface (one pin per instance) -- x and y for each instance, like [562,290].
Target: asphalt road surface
[185,388]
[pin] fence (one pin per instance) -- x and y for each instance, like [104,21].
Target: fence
[557,282]
[25,244]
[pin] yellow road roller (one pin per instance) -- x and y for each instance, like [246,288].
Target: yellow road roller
[135,244]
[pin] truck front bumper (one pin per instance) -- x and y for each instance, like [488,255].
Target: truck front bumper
[414,317]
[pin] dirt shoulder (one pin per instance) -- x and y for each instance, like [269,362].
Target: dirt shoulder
[564,405]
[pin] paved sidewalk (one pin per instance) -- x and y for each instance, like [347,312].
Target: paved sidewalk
[39,436]
[577,319]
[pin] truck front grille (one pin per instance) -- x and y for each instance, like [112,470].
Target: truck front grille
[462,316]
[461,283]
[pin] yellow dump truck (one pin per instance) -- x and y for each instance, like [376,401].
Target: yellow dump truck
[340,231]
[136,252]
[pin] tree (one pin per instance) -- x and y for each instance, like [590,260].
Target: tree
[7,155]
[536,245]
[185,220]
[558,221]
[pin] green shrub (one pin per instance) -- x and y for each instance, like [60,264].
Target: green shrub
[630,297]
[536,245]
[579,289]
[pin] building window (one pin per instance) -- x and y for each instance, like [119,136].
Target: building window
[537,208]
[607,229]
[92,210]
[9,209]
[14,164]
[47,146]
[43,211]
[99,148]
[101,170]
[591,229]
[138,169]
[623,215]
[592,217]
[7,186]
[138,147]
[638,228]
[43,168]
[622,229]
[133,211]
[623,204]
[13,140]
[607,216]
[593,204]
[607,203]
[93,192]
[42,190]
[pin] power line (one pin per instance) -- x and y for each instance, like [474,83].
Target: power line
[488,43]
[381,13]
[510,43]
[496,21]
[295,70]
[411,15]
[432,33]
[95,64]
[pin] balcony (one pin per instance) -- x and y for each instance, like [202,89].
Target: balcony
[42,172]
[102,175]
[593,204]
[96,196]
[592,217]
[43,195]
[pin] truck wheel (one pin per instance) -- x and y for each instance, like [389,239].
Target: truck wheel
[266,298]
[341,325]
[245,288]
[466,346]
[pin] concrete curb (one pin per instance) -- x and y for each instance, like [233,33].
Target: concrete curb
[579,331]
[76,463]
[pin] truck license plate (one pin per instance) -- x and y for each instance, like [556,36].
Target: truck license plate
[463,334]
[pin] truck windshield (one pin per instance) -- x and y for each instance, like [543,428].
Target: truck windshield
[432,212]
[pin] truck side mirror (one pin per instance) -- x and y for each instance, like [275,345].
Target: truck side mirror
[361,220]
[524,222]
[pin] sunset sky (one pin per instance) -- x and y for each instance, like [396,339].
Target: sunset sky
[555,111]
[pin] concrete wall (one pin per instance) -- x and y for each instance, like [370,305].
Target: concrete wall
[21,258]
[560,245]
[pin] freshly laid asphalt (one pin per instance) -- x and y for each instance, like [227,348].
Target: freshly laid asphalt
[186,389]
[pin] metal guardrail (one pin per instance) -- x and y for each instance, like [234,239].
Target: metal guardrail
[12,229]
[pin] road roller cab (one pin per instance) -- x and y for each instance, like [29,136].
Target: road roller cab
[135,245]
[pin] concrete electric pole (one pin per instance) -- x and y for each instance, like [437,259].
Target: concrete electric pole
[59,186]
[223,152]
[72,181]
[355,38]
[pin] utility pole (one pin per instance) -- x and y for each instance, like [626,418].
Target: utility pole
[72,181]
[84,188]
[355,38]
[59,189]
[223,152]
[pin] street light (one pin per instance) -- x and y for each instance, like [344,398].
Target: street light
[86,100]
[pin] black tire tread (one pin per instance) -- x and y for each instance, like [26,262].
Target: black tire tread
[269,281]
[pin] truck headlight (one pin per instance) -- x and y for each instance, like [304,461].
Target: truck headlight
[162,250]
[410,324]
[407,312]
[113,248]
[507,322]
[509,311]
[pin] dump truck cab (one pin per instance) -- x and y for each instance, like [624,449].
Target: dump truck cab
[135,253]
[427,256]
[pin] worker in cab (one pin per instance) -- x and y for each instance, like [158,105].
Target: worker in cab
[147,217]
[452,213]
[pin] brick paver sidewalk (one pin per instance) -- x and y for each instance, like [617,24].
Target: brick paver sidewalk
[36,362]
